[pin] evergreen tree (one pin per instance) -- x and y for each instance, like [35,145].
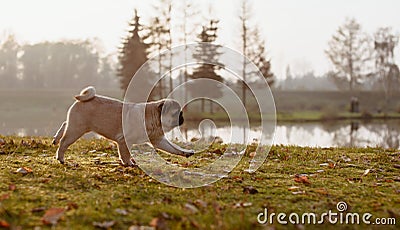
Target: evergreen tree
[132,55]
[211,54]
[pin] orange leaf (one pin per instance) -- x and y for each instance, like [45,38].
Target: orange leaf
[12,187]
[301,179]
[4,224]
[4,196]
[52,215]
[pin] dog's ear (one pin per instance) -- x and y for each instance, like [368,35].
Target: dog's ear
[160,105]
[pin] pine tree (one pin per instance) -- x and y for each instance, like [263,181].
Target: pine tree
[211,54]
[132,55]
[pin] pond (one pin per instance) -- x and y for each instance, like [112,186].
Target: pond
[384,134]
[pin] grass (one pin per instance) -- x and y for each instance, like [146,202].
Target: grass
[91,187]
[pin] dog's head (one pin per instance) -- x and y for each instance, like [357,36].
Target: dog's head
[171,114]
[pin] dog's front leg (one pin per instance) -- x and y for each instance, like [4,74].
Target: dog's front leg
[124,153]
[170,147]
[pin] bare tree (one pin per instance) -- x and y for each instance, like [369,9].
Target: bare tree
[350,52]
[387,70]
[189,12]
[244,20]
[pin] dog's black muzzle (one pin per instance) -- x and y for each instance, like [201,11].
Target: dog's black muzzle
[181,118]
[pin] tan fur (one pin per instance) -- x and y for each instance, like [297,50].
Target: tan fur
[103,115]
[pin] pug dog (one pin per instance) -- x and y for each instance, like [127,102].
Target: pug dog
[144,123]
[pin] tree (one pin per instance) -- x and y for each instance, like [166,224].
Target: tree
[132,55]
[189,12]
[244,18]
[66,64]
[387,71]
[204,70]
[350,52]
[253,49]
[257,54]
[160,38]
[9,62]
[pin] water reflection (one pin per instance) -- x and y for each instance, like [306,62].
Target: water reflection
[327,134]
[384,134]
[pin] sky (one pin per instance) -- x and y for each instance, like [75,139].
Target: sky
[296,31]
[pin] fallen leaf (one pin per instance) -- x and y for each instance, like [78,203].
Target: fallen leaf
[200,203]
[301,179]
[24,170]
[252,154]
[105,224]
[396,166]
[158,223]
[52,215]
[12,187]
[293,188]
[121,211]
[191,208]
[72,205]
[4,224]
[4,196]
[138,227]
[39,209]
[354,179]
[322,191]
[2,142]
[298,192]
[250,190]
[243,204]
[366,172]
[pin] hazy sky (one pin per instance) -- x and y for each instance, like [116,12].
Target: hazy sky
[296,31]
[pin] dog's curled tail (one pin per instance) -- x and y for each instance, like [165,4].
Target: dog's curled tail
[86,94]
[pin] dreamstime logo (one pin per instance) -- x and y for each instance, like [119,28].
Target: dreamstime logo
[223,95]
[331,217]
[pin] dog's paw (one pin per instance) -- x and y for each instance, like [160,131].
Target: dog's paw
[188,153]
[60,160]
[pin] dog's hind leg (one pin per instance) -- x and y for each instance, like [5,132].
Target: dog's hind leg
[71,134]
[59,133]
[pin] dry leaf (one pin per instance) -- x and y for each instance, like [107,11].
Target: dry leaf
[293,188]
[322,191]
[2,142]
[4,224]
[252,154]
[12,187]
[159,223]
[24,170]
[105,224]
[137,227]
[366,172]
[191,208]
[396,166]
[301,179]
[52,215]
[243,204]
[121,211]
[200,203]
[298,192]
[250,190]
[4,196]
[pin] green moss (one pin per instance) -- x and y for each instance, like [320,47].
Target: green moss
[94,191]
